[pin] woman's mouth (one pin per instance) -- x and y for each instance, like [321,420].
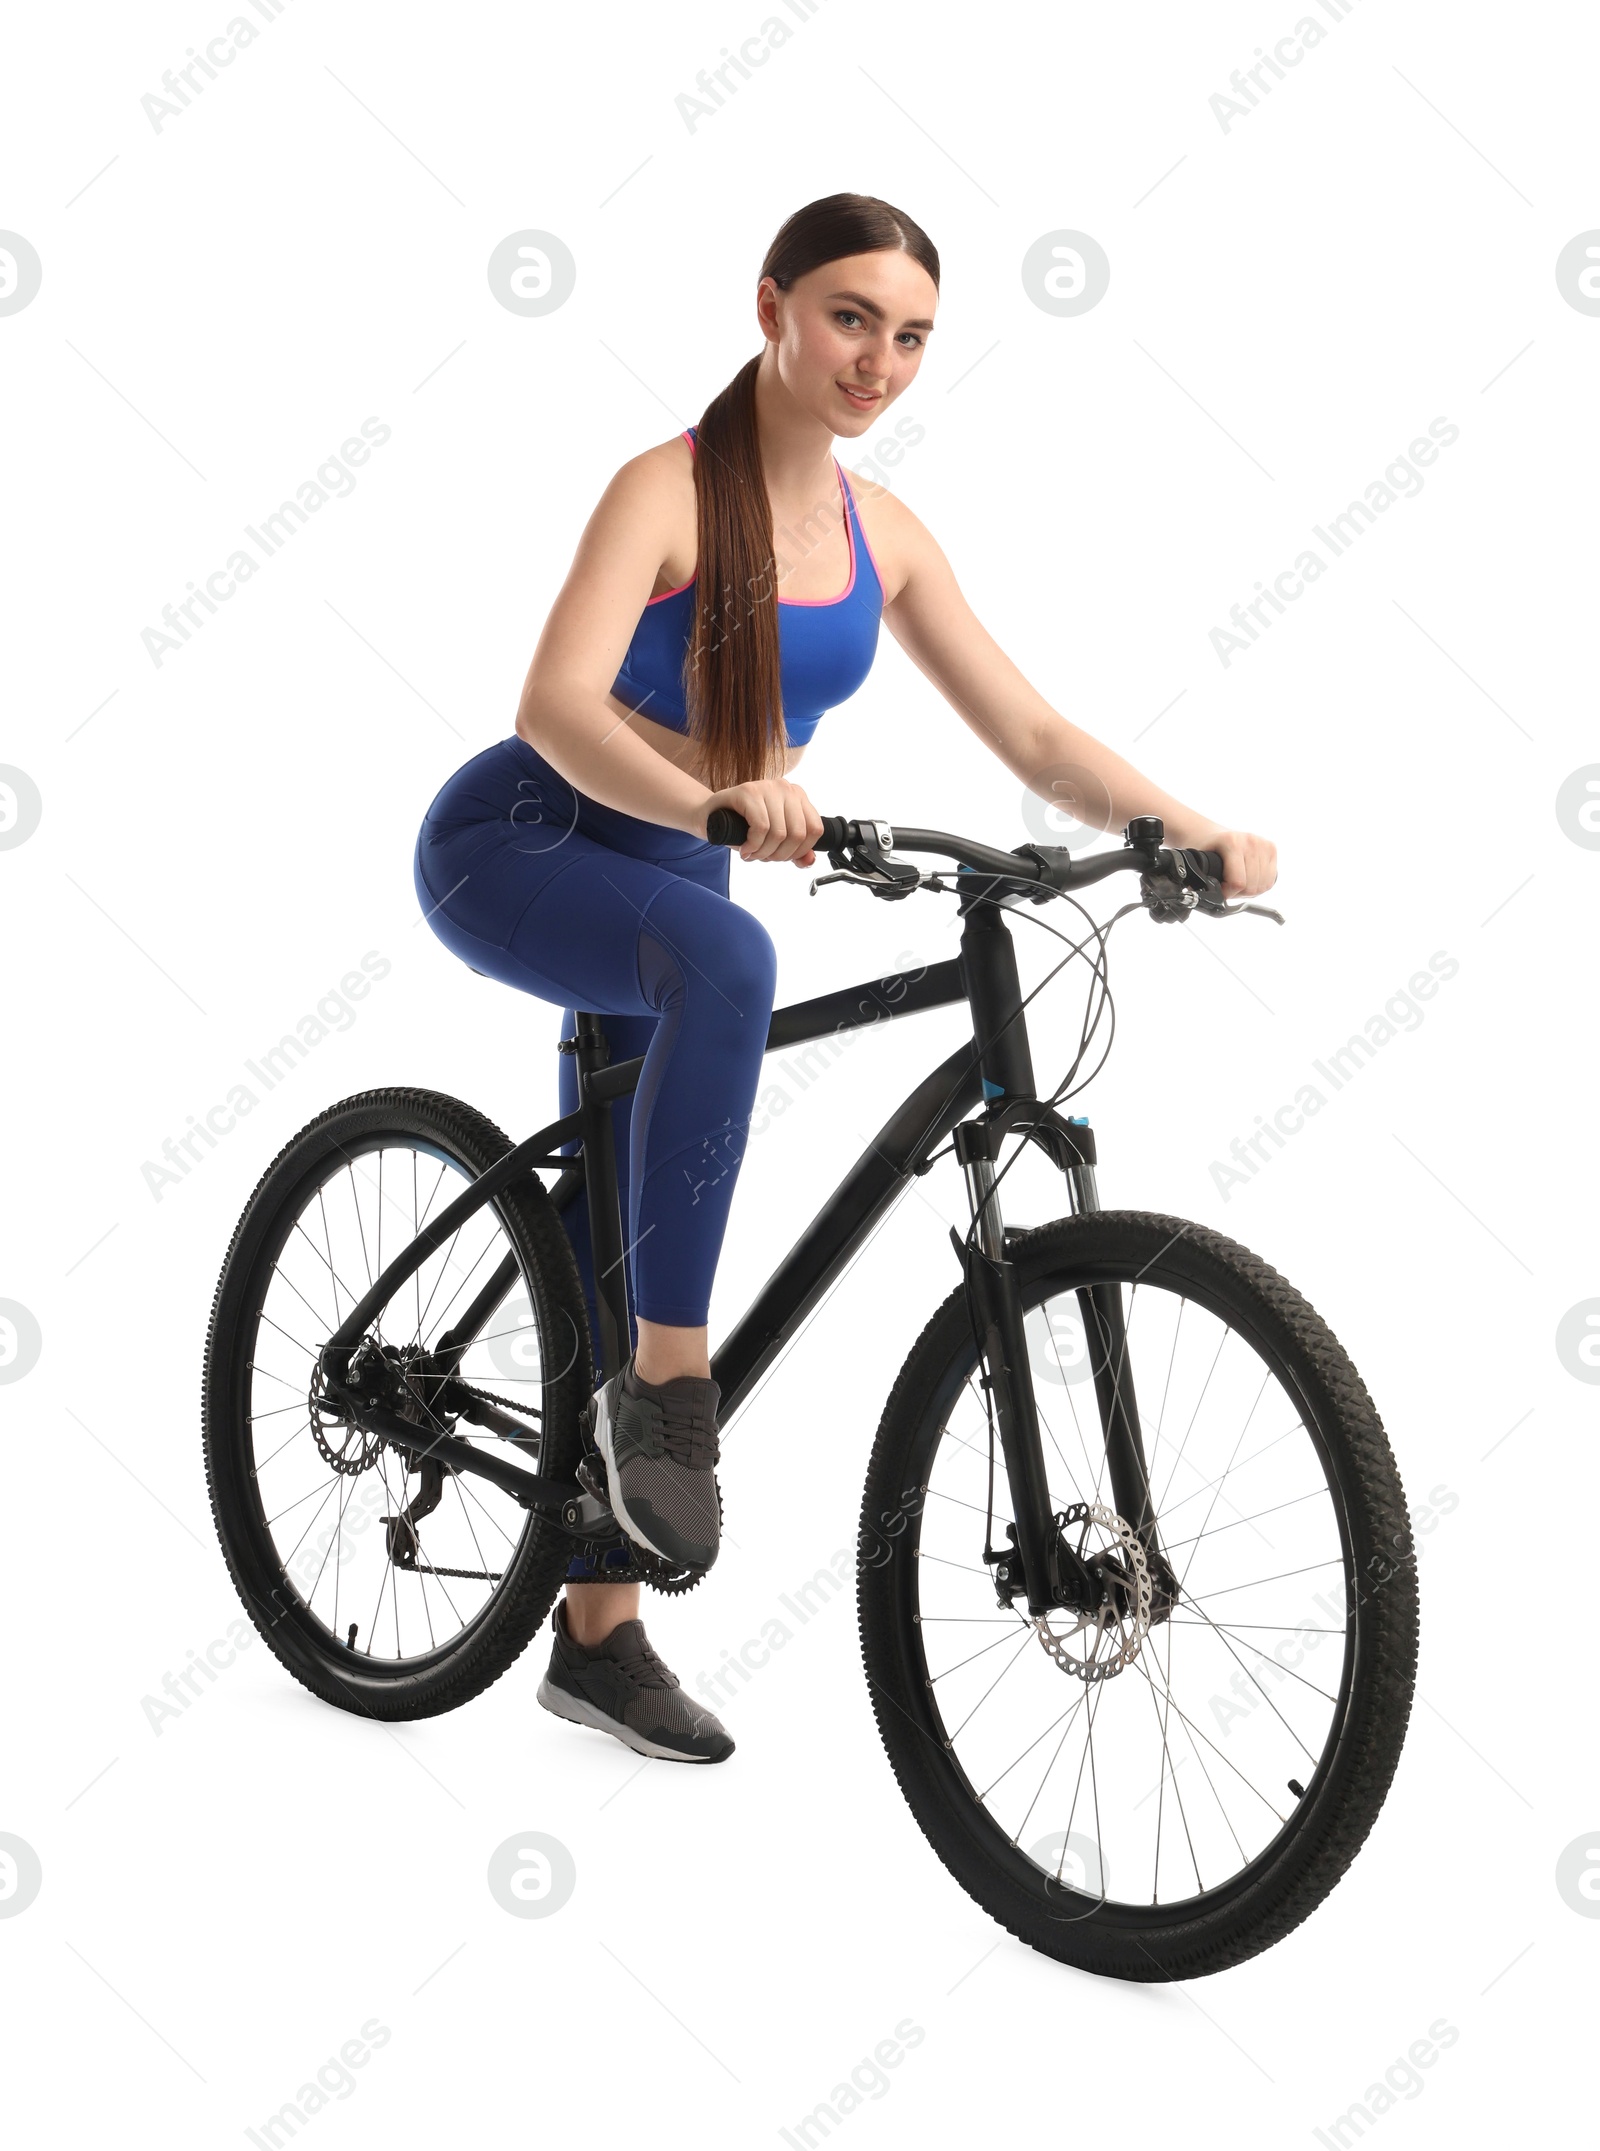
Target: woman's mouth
[862,398]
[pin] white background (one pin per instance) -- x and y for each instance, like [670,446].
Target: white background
[1292,301]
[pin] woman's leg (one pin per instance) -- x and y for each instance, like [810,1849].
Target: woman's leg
[661,1349]
[666,1350]
[706,969]
[686,977]
[595,1609]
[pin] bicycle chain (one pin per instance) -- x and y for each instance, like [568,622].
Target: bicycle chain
[1093,1668]
[669,1578]
[487,1396]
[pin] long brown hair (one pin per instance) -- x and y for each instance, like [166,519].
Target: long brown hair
[732,681]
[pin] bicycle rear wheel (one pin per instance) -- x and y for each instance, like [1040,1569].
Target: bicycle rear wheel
[392,1589]
[1172,1787]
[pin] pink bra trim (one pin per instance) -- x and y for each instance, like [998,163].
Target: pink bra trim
[848,499]
[866,541]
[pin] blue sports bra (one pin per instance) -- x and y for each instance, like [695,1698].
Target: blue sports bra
[826,645]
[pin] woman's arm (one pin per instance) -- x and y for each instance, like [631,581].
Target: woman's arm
[565,712]
[943,637]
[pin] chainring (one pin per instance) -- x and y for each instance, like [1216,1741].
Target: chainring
[671,1578]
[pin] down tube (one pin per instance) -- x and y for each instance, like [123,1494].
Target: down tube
[842,1225]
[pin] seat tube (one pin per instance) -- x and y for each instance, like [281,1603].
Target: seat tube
[593,1052]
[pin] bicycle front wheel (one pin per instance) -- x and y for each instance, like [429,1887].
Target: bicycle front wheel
[1170,1788]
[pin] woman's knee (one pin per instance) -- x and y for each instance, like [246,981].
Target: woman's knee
[747,966]
[701,950]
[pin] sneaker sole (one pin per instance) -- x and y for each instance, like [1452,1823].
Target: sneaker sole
[619,1509]
[577,1712]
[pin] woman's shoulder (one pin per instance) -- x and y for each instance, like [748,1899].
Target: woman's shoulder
[648,508]
[665,463]
[661,476]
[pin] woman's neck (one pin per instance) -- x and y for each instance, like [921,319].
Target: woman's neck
[796,449]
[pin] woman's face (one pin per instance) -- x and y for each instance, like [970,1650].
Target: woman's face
[850,335]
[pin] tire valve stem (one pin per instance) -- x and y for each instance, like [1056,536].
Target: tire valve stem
[350,1640]
[1295,1785]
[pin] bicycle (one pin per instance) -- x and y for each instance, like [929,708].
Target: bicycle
[1182,1730]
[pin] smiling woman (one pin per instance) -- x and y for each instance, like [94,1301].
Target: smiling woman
[573,860]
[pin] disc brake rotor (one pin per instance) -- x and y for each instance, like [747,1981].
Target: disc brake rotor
[347,1449]
[1100,1644]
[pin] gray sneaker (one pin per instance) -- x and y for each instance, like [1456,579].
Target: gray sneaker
[621,1687]
[659,1446]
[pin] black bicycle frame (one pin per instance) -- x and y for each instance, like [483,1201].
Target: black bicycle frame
[989,1077]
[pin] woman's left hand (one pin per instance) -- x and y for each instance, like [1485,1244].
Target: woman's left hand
[1249,863]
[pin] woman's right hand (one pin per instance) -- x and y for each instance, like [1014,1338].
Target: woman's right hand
[783,822]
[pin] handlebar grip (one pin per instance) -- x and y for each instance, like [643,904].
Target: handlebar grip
[1207,865]
[726,825]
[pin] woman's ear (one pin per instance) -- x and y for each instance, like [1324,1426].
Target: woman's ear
[767,309]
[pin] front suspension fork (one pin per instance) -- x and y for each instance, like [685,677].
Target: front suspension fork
[998,1297]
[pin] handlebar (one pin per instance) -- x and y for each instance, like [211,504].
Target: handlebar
[1050,864]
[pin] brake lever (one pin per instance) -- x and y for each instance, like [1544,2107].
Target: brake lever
[887,885]
[820,881]
[1224,910]
[1167,898]
[885,877]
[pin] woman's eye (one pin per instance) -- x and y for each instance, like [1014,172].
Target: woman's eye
[851,319]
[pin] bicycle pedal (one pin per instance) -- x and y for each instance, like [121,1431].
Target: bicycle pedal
[610,1564]
[591,1476]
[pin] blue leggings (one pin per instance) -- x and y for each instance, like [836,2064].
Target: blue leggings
[533,883]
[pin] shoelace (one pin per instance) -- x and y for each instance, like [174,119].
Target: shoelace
[693,1446]
[648,1669]
[687,1441]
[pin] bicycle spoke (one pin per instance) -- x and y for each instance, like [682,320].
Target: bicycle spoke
[960,1662]
[316,1312]
[1293,1502]
[303,1428]
[1069,1713]
[355,1200]
[1183,1501]
[338,1533]
[989,1691]
[1161,1416]
[1267,1699]
[254,1367]
[1189,1429]
[1218,1495]
[293,1505]
[1196,1599]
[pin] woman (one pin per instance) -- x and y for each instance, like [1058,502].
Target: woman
[571,860]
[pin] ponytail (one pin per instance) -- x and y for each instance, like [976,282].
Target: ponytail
[732,678]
